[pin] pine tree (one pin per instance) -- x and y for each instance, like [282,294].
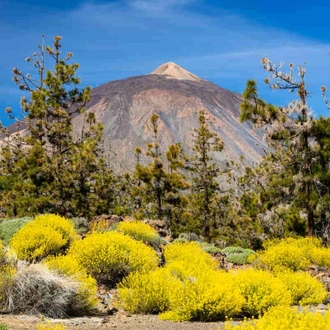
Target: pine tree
[205,187]
[156,188]
[287,182]
[54,171]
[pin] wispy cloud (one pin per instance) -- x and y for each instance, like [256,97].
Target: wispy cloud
[158,6]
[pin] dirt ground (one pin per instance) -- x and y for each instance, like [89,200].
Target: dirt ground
[119,321]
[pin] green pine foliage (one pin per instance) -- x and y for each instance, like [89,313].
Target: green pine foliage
[49,169]
[288,191]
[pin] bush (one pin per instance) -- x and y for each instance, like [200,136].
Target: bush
[67,265]
[3,327]
[285,318]
[111,256]
[237,255]
[9,227]
[304,289]
[292,254]
[139,231]
[209,248]
[45,235]
[190,253]
[80,225]
[36,290]
[282,256]
[209,297]
[147,293]
[261,291]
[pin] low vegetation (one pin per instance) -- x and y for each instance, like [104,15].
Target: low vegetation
[285,318]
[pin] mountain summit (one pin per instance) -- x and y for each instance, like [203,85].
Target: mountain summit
[174,71]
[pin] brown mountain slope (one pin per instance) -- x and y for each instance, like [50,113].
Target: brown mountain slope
[125,106]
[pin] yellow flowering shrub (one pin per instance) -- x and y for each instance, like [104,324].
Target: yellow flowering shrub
[190,253]
[68,265]
[285,318]
[261,290]
[51,327]
[211,296]
[293,254]
[111,256]
[45,235]
[147,293]
[304,289]
[320,256]
[7,271]
[139,231]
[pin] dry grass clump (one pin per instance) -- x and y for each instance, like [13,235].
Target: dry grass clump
[36,290]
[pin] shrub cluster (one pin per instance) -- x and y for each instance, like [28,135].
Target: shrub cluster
[190,287]
[285,318]
[45,235]
[292,254]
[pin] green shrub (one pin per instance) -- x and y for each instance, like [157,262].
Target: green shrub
[237,255]
[3,326]
[80,225]
[110,256]
[209,248]
[9,227]
[46,235]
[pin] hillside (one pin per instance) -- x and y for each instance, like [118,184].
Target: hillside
[125,106]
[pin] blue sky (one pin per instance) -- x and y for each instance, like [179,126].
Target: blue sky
[222,41]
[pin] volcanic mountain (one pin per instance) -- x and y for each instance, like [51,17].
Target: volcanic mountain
[124,107]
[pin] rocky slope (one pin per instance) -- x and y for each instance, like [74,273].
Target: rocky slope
[125,106]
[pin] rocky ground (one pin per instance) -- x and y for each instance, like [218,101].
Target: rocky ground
[119,321]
